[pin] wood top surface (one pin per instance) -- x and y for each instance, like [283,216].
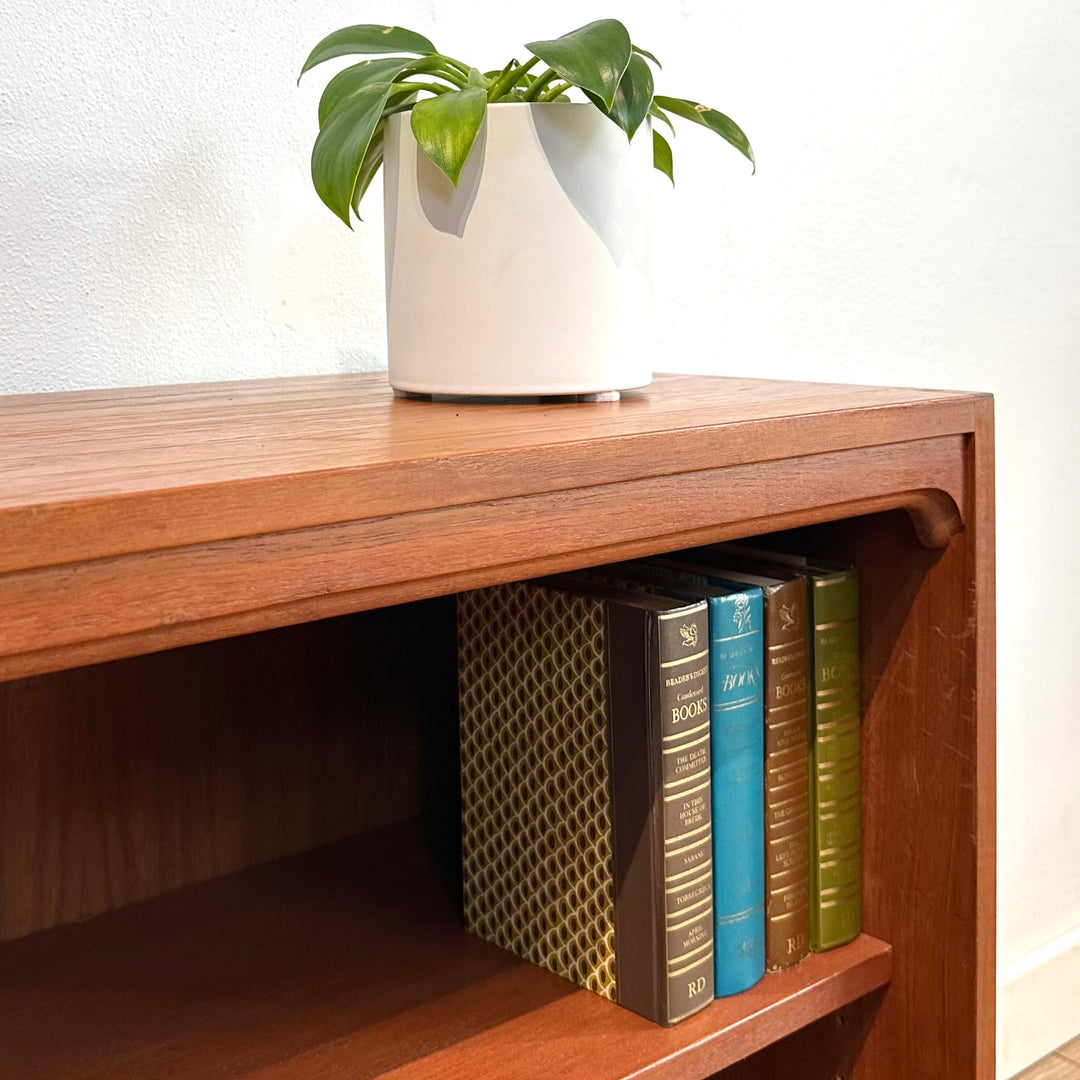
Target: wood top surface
[189,463]
[134,520]
[66,446]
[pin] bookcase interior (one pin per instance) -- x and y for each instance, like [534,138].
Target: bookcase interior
[326,754]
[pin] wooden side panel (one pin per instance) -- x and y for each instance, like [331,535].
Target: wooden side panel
[981,553]
[921,836]
[121,781]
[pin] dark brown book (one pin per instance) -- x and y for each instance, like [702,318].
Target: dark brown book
[587,815]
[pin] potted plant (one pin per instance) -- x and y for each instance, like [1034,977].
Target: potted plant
[516,220]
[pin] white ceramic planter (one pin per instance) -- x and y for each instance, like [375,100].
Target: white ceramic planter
[533,275]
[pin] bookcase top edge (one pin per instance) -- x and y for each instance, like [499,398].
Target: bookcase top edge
[91,474]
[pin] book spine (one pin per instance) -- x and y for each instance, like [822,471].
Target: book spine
[687,819]
[836,828]
[787,775]
[737,694]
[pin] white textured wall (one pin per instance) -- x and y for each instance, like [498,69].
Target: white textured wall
[915,219]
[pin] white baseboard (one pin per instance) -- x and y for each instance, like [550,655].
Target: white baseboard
[1038,1004]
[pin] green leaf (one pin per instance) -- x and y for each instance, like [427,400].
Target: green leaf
[658,114]
[347,82]
[723,125]
[648,55]
[446,127]
[476,81]
[398,101]
[368,39]
[593,57]
[343,142]
[373,158]
[661,156]
[402,98]
[633,97]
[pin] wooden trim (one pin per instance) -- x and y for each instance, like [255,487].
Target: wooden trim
[981,513]
[135,603]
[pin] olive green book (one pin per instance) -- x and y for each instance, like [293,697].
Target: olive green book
[835,752]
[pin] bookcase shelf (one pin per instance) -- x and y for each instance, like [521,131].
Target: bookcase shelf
[228,795]
[305,967]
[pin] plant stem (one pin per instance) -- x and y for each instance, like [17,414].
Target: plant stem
[509,77]
[403,105]
[434,88]
[457,65]
[449,72]
[539,84]
[553,91]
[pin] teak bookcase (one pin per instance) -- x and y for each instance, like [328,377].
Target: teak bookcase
[228,760]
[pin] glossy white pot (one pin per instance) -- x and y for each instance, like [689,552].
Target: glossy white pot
[533,275]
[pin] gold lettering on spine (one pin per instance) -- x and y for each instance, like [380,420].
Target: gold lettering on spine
[687,809]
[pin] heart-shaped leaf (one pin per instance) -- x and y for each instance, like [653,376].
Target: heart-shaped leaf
[592,57]
[368,38]
[342,144]
[661,156]
[633,97]
[445,126]
[347,82]
[399,100]
[723,125]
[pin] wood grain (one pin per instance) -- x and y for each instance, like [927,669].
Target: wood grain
[1052,1067]
[122,781]
[88,475]
[136,602]
[1071,1050]
[145,520]
[981,720]
[316,967]
[827,1049]
[921,775]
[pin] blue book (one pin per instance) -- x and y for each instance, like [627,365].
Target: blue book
[737,745]
[736,671]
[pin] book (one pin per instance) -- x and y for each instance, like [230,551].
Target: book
[786,751]
[736,695]
[835,773]
[586,805]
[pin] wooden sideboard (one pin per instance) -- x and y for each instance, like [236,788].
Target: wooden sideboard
[228,756]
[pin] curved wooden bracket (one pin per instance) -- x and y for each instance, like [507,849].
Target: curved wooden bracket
[934,514]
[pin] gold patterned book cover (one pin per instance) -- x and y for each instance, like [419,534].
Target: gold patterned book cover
[587,821]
